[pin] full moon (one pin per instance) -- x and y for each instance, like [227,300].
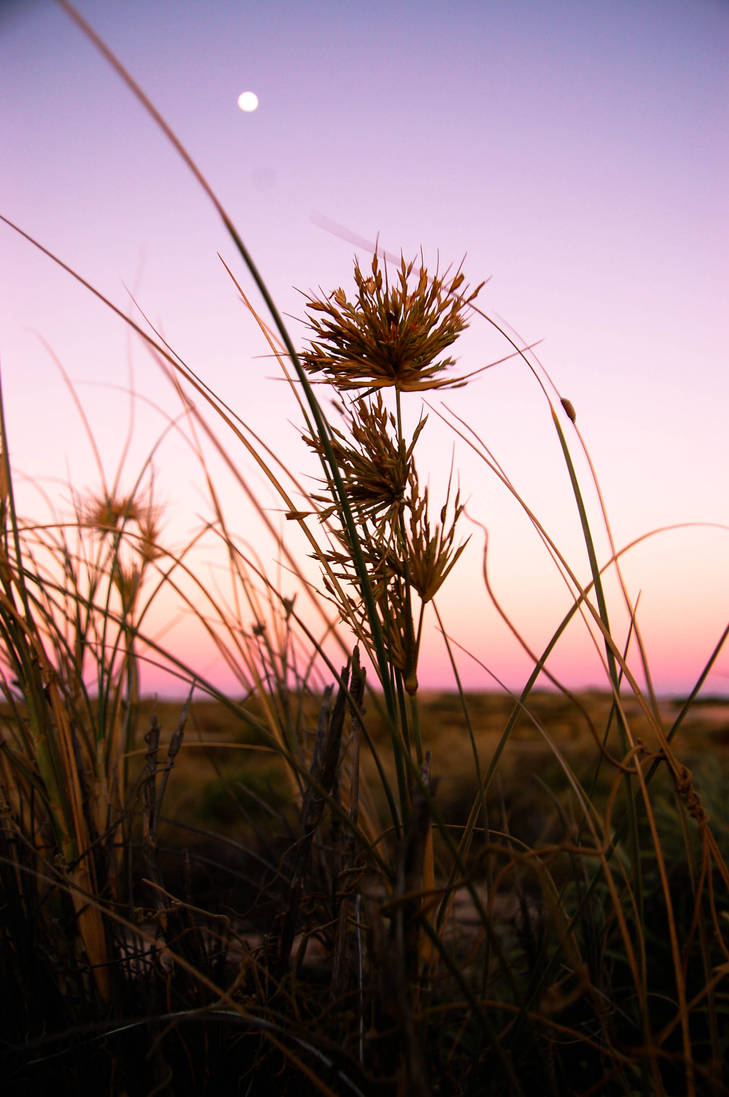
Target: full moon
[248,101]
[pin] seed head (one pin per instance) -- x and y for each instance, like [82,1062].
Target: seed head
[374,466]
[109,514]
[388,336]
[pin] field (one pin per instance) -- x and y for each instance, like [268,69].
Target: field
[246,943]
[216,776]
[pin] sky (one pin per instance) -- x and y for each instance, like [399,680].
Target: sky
[573,152]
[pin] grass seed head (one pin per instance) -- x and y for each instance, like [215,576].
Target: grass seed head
[389,336]
[428,552]
[374,466]
[109,514]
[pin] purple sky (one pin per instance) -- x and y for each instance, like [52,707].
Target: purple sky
[577,152]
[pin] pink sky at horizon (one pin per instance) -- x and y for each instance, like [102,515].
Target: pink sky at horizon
[575,152]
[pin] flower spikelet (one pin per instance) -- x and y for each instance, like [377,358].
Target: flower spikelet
[429,552]
[374,465]
[108,514]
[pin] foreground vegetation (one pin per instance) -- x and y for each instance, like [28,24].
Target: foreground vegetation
[369,891]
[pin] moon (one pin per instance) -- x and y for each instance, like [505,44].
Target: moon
[248,101]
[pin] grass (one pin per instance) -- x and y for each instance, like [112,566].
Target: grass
[325,909]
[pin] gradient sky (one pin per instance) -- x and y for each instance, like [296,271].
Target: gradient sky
[574,151]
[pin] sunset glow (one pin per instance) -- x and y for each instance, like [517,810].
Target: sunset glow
[575,154]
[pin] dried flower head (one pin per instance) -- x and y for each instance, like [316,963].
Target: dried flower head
[404,552]
[389,335]
[429,552]
[373,464]
[109,514]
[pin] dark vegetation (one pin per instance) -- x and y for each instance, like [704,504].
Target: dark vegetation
[254,943]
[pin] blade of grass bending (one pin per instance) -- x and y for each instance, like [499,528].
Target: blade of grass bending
[699,683]
[479,804]
[54,754]
[590,546]
[609,653]
[18,628]
[319,419]
[630,606]
[521,349]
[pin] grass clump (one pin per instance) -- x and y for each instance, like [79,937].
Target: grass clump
[320,907]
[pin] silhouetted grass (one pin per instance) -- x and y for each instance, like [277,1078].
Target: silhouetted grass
[330,885]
